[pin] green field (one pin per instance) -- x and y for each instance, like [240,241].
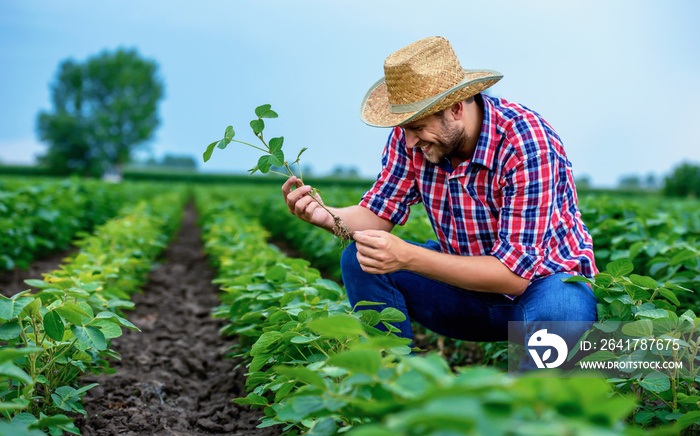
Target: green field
[314,365]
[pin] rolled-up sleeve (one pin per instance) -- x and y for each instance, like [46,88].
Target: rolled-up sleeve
[527,212]
[395,189]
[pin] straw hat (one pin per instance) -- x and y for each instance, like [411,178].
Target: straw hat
[420,80]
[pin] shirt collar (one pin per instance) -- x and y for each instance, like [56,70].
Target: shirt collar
[484,153]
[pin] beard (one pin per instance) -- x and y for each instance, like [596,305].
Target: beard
[450,141]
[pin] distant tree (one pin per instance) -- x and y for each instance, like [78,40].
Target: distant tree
[103,110]
[179,161]
[583,182]
[684,181]
[631,182]
[345,172]
[650,182]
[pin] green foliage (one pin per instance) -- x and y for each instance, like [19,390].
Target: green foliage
[103,109]
[39,218]
[317,366]
[64,329]
[660,331]
[684,181]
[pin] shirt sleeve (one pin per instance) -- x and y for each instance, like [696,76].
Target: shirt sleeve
[529,206]
[395,190]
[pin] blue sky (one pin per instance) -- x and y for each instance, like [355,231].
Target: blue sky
[618,80]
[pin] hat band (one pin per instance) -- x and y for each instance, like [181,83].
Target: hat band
[412,107]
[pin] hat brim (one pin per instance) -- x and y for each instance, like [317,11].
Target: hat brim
[376,111]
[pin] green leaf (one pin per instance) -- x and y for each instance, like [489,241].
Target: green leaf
[254,170]
[10,330]
[10,309]
[257,126]
[8,354]
[53,325]
[209,151]
[252,399]
[264,164]
[117,320]
[260,110]
[574,279]
[370,317]
[72,313]
[41,284]
[276,143]
[304,339]
[645,282]
[222,144]
[620,267]
[299,155]
[51,421]
[338,326]
[265,341]
[656,382]
[229,133]
[264,111]
[32,309]
[670,296]
[90,336]
[276,273]
[301,374]
[686,420]
[277,158]
[359,361]
[639,329]
[9,369]
[683,255]
[371,430]
[652,313]
[391,314]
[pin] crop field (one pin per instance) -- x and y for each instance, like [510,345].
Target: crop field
[200,309]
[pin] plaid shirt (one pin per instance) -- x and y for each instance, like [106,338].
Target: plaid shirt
[515,199]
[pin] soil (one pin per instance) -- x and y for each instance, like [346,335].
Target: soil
[174,377]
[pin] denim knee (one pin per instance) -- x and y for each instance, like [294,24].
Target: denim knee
[551,299]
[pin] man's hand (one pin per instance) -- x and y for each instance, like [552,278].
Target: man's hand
[379,252]
[303,205]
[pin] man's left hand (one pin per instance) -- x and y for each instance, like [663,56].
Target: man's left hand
[380,252]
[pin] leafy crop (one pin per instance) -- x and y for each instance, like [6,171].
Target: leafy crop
[651,312]
[39,218]
[63,330]
[318,366]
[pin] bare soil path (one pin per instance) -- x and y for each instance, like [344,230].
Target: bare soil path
[173,377]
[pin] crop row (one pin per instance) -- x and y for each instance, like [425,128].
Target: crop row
[623,296]
[50,337]
[37,218]
[316,365]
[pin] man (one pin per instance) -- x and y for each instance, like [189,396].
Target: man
[499,192]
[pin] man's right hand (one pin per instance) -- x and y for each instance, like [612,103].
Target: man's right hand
[301,204]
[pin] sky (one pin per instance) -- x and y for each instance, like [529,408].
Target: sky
[617,79]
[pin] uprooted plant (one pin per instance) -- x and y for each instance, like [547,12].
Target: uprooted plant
[274,157]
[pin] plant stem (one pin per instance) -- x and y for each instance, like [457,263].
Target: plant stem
[251,145]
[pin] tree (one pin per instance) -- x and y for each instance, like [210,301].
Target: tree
[103,110]
[630,182]
[684,181]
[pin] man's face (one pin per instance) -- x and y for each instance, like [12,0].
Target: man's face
[436,137]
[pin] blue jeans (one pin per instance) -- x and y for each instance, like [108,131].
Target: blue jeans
[473,316]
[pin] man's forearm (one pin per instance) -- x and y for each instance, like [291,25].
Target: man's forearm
[475,273]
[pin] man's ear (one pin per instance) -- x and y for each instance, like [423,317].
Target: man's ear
[457,110]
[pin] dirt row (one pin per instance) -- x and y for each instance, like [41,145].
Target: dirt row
[173,377]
